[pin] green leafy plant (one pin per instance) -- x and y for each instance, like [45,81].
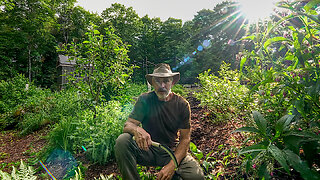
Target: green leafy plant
[207,162]
[179,89]
[101,65]
[223,94]
[285,65]
[281,143]
[96,134]
[45,107]
[282,71]
[24,173]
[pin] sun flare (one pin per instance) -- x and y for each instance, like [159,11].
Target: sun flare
[255,10]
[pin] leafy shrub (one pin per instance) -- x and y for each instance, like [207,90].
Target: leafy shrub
[130,91]
[281,142]
[179,89]
[101,65]
[25,173]
[96,134]
[285,60]
[285,78]
[13,94]
[45,107]
[224,95]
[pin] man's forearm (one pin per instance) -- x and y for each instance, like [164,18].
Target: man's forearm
[130,128]
[182,149]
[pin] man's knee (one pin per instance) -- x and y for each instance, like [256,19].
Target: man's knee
[123,142]
[190,169]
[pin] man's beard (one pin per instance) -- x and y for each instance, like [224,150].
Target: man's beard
[163,93]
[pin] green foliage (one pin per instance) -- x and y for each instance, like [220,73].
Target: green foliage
[26,41]
[285,59]
[282,72]
[224,95]
[281,142]
[45,108]
[31,108]
[12,93]
[78,175]
[206,162]
[179,89]
[24,173]
[130,91]
[101,65]
[96,134]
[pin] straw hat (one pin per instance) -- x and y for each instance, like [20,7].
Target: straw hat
[163,70]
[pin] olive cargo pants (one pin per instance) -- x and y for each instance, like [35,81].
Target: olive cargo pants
[128,155]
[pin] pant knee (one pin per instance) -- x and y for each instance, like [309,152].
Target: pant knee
[123,141]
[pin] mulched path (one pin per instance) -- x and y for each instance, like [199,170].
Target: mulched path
[206,135]
[14,148]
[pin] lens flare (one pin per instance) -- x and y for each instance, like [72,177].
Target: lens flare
[45,168]
[200,48]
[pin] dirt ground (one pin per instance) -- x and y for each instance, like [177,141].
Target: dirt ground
[206,135]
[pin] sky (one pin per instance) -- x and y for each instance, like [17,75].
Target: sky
[180,9]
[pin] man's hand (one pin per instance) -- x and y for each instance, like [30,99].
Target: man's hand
[142,138]
[166,172]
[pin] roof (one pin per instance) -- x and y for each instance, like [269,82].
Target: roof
[65,60]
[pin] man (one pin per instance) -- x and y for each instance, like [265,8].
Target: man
[163,116]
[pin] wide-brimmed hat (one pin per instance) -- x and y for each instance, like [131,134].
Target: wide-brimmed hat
[163,70]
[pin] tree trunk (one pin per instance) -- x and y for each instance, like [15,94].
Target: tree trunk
[29,60]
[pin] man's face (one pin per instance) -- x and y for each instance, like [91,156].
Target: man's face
[162,87]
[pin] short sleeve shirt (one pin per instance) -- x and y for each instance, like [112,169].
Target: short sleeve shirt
[162,119]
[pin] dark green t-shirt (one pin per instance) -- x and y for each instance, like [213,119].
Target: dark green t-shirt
[161,119]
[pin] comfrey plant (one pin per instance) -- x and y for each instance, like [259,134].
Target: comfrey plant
[283,143]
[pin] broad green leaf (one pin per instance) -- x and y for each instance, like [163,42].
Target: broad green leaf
[283,122]
[263,172]
[249,37]
[301,166]
[243,60]
[304,134]
[86,42]
[293,142]
[247,129]
[279,156]
[199,155]
[96,32]
[193,147]
[311,4]
[253,148]
[260,122]
[275,39]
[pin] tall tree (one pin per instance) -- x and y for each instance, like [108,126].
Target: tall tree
[25,32]
[125,21]
[101,65]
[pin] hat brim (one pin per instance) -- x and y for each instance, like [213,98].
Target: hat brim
[176,76]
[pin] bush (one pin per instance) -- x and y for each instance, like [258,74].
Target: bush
[130,91]
[224,95]
[13,95]
[280,143]
[46,107]
[96,134]
[179,89]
